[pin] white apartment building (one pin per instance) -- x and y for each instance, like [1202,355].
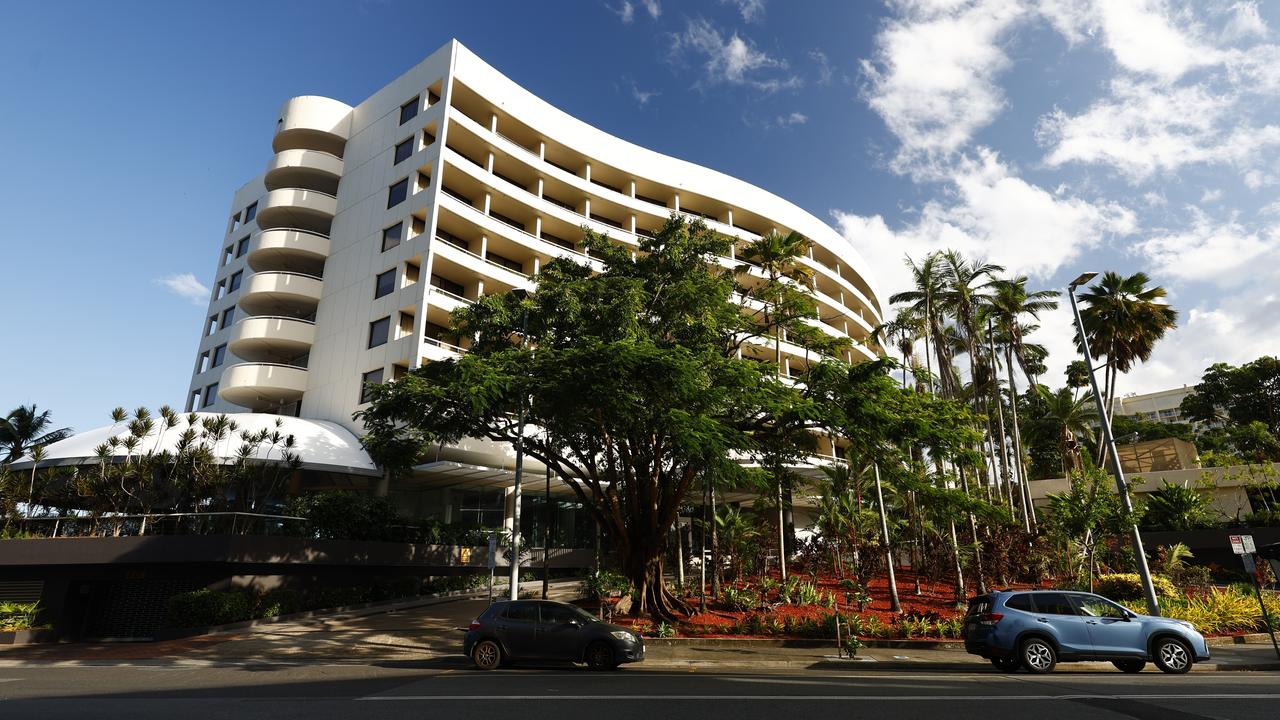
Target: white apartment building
[342,260]
[1164,406]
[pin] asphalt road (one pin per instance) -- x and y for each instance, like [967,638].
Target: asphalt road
[436,689]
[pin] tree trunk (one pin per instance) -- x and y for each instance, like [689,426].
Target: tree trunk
[715,547]
[894,604]
[1028,508]
[977,542]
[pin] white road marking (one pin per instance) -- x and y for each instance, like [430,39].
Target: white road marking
[876,698]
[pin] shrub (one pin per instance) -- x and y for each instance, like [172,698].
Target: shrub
[602,584]
[665,631]
[282,601]
[18,616]
[205,607]
[1128,586]
[740,600]
[347,516]
[951,627]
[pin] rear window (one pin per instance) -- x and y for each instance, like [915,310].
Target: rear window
[1020,602]
[979,606]
[1054,604]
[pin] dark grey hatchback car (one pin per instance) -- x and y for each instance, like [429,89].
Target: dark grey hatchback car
[546,630]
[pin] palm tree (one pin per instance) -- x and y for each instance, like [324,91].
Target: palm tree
[1124,319]
[1071,417]
[1008,305]
[25,428]
[926,303]
[902,332]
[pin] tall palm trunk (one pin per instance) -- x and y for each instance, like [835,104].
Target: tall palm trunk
[894,604]
[1029,508]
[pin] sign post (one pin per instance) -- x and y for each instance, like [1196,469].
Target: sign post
[492,561]
[1243,546]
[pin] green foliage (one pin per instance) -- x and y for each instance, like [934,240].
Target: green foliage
[913,627]
[665,630]
[739,599]
[204,608]
[1249,393]
[18,616]
[1122,425]
[347,515]
[1178,507]
[951,627]
[604,583]
[1128,586]
[273,603]
[852,645]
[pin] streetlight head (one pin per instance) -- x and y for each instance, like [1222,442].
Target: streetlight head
[1083,279]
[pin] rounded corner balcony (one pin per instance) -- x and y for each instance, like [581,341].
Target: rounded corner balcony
[281,293]
[311,122]
[310,210]
[262,386]
[288,249]
[269,338]
[301,168]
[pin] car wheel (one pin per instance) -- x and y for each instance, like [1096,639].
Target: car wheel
[1006,664]
[1129,666]
[487,655]
[600,657]
[1038,656]
[1172,655]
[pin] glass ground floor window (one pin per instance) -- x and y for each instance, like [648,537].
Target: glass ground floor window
[569,524]
[477,508]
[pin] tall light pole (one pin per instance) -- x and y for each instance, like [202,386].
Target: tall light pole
[515,513]
[1104,418]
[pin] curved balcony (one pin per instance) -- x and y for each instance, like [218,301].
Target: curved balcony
[288,249]
[309,210]
[271,338]
[280,293]
[311,122]
[298,168]
[262,386]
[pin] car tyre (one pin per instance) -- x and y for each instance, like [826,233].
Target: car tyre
[1038,656]
[599,656]
[1172,655]
[1129,666]
[487,655]
[1007,665]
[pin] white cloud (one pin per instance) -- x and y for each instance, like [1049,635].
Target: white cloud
[932,80]
[626,11]
[733,61]
[653,8]
[991,214]
[185,285]
[751,10]
[642,97]
[1142,129]
[1210,196]
[824,66]
[1224,253]
[1244,21]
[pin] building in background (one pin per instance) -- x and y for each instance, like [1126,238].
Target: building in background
[1164,406]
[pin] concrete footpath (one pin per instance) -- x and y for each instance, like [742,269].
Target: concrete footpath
[425,633]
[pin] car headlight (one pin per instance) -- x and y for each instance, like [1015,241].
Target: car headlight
[622,635]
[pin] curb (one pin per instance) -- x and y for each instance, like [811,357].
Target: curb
[924,666]
[755,643]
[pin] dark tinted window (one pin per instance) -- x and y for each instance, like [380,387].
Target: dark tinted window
[251,212]
[391,236]
[522,611]
[404,150]
[210,394]
[235,281]
[397,193]
[1020,602]
[385,283]
[557,615]
[979,605]
[409,111]
[378,330]
[242,246]
[228,316]
[373,377]
[1053,604]
[219,355]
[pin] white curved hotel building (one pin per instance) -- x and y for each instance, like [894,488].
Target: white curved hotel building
[342,261]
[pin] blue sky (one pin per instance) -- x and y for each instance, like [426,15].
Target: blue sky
[1051,136]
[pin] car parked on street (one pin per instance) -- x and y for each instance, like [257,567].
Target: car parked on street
[545,630]
[1035,629]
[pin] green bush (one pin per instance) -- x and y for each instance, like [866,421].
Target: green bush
[1128,586]
[18,616]
[600,585]
[347,516]
[741,600]
[205,607]
[282,601]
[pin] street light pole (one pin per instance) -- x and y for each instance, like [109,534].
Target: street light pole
[515,513]
[1104,417]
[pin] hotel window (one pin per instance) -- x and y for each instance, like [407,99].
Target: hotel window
[378,331]
[384,283]
[397,193]
[242,247]
[432,98]
[235,222]
[203,363]
[403,151]
[193,402]
[227,254]
[228,316]
[219,355]
[235,281]
[212,327]
[409,110]
[373,377]
[391,236]
[250,213]
[398,371]
[220,290]
[210,394]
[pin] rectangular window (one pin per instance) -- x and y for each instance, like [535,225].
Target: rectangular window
[228,317]
[219,355]
[235,281]
[427,138]
[227,254]
[398,371]
[193,402]
[373,377]
[447,285]
[384,283]
[378,331]
[432,98]
[397,193]
[235,222]
[220,290]
[242,247]
[411,271]
[210,394]
[203,363]
[212,327]
[418,225]
[406,324]
[250,213]
[409,110]
[391,236]
[403,151]
[424,182]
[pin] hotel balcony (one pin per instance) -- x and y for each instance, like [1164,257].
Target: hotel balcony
[281,293]
[311,122]
[271,338]
[263,386]
[309,210]
[298,168]
[288,250]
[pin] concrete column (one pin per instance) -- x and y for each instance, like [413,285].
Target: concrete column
[633,188]
[586,207]
[488,166]
[537,226]
[480,288]
[586,172]
[675,203]
[729,220]
[509,509]
[484,246]
[537,264]
[493,123]
[633,217]
[542,151]
[488,198]
[540,184]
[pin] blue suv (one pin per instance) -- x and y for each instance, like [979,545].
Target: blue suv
[1035,629]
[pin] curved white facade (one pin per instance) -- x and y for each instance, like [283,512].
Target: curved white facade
[372,223]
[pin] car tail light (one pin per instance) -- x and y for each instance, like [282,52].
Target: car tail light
[475,625]
[990,618]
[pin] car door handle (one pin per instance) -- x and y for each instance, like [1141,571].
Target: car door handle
[1043,620]
[1090,622]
